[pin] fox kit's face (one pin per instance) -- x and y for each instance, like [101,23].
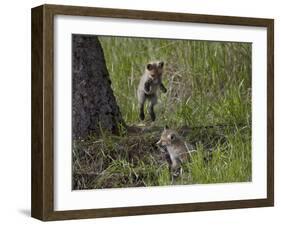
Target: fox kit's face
[155,70]
[168,137]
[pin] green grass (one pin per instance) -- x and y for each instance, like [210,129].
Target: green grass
[209,83]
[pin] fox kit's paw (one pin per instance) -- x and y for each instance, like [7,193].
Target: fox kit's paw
[177,172]
[147,86]
[141,116]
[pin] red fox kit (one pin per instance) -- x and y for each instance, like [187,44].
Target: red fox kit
[176,148]
[150,81]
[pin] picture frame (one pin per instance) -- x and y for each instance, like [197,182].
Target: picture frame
[43,174]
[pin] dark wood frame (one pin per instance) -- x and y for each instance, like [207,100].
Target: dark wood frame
[42,203]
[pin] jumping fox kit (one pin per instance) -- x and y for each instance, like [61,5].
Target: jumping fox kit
[176,148]
[150,81]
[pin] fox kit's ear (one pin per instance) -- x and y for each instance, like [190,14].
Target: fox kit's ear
[149,67]
[166,127]
[161,64]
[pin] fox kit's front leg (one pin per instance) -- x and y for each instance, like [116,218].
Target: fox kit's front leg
[147,86]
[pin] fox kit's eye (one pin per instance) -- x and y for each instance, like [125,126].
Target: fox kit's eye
[149,67]
[173,136]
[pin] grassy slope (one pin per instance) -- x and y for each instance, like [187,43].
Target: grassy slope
[208,83]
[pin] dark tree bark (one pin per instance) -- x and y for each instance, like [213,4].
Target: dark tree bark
[94,106]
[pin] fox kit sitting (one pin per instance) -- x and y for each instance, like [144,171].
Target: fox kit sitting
[150,81]
[176,148]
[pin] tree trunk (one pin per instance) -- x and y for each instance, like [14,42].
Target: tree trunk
[94,106]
